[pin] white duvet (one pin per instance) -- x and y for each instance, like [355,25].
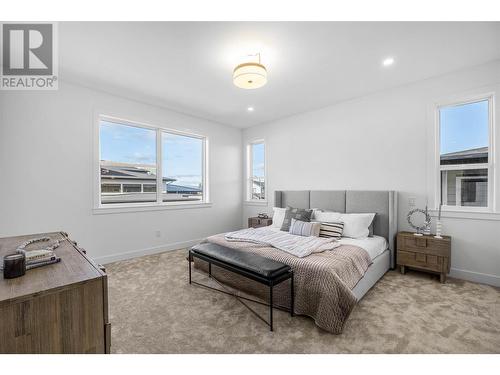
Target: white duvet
[299,246]
[374,246]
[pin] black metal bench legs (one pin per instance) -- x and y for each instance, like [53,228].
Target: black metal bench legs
[269,282]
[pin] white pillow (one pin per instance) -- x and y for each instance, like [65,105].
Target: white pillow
[356,225]
[278,217]
[326,216]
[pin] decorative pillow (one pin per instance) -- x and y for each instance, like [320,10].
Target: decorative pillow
[278,217]
[297,214]
[331,229]
[356,225]
[304,228]
[325,216]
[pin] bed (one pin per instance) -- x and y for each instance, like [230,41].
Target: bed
[329,284]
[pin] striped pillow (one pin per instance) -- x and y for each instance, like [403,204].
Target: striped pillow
[331,229]
[304,228]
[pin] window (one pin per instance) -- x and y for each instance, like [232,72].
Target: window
[256,181]
[136,159]
[182,160]
[465,162]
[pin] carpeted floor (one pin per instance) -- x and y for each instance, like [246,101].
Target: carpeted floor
[153,309]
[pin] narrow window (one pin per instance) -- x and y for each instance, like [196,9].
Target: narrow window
[257,172]
[465,167]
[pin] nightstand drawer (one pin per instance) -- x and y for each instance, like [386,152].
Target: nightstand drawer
[257,222]
[425,245]
[405,257]
[420,260]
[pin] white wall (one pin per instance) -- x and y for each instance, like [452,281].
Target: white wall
[384,141]
[47,181]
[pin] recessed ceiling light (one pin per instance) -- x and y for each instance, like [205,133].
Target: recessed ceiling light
[250,109]
[388,61]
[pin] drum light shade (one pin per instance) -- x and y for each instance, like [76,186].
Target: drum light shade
[250,75]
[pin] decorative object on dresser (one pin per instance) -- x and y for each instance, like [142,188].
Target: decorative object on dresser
[439,225]
[420,220]
[424,253]
[61,308]
[257,222]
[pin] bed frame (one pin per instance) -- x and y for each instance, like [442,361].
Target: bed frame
[382,203]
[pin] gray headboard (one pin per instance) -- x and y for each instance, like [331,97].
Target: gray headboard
[383,203]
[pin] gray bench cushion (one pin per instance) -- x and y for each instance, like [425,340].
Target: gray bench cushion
[254,263]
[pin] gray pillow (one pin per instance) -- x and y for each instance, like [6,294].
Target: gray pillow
[370,228]
[297,214]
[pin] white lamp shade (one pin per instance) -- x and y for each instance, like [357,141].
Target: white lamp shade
[250,76]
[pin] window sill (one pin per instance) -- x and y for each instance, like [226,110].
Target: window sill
[465,214]
[255,203]
[150,207]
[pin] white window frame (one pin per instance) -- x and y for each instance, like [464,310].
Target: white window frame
[147,206]
[490,165]
[249,173]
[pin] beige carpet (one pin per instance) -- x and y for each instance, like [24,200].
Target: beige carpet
[153,309]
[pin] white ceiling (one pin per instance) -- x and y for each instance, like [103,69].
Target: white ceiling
[187,66]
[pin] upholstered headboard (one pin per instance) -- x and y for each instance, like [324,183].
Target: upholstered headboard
[383,203]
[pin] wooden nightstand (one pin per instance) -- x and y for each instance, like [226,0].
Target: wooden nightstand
[424,253]
[256,222]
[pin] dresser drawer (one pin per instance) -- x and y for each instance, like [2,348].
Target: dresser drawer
[420,260]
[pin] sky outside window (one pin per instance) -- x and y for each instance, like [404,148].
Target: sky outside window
[182,159]
[464,127]
[127,144]
[258,155]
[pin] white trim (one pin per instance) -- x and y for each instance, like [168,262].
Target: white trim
[159,168]
[99,208]
[148,251]
[453,212]
[476,277]
[140,207]
[490,166]
[255,202]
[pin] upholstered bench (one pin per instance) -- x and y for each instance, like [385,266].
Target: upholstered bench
[252,266]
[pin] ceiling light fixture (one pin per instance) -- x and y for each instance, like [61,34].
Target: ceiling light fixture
[250,75]
[388,61]
[250,109]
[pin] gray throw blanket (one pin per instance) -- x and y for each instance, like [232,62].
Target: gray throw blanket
[323,281]
[299,246]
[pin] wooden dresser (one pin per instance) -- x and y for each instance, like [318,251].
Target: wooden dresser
[257,222]
[424,253]
[59,308]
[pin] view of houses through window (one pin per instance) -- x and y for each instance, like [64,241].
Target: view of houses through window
[257,178]
[464,149]
[129,165]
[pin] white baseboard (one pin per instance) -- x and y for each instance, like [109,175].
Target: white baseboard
[477,277]
[148,251]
